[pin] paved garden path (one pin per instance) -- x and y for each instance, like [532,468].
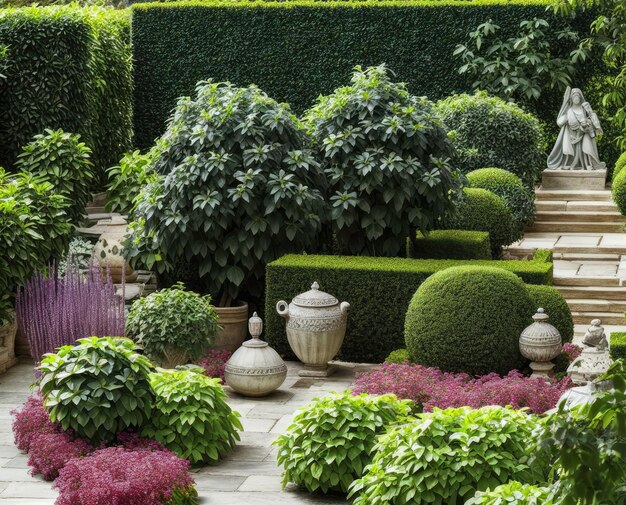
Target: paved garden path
[248,476]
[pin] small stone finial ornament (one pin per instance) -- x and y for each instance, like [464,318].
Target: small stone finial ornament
[540,343]
[594,361]
[255,369]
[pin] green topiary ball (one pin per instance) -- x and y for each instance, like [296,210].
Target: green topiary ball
[98,387]
[491,132]
[619,164]
[552,301]
[468,319]
[512,493]
[330,441]
[191,416]
[618,191]
[519,199]
[482,210]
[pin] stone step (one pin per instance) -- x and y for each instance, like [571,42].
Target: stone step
[581,257]
[572,226]
[596,281]
[567,195]
[616,293]
[580,216]
[605,317]
[584,206]
[590,305]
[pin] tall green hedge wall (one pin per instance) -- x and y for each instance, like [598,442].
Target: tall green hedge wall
[66,67]
[378,289]
[297,50]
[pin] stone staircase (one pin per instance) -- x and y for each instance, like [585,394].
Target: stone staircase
[585,231]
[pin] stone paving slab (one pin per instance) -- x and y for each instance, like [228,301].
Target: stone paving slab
[247,476]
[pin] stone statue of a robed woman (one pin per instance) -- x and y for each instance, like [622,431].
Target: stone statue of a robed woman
[575,147]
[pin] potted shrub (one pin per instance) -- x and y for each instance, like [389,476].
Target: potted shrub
[235,187]
[173,325]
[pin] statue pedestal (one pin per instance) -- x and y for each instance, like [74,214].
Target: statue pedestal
[593,180]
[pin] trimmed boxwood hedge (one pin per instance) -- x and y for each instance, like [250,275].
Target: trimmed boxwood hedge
[552,301]
[66,67]
[617,345]
[451,244]
[378,289]
[296,51]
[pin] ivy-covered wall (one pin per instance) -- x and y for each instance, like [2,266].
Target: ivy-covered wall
[297,50]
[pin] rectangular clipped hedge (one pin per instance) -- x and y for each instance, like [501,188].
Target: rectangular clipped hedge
[451,244]
[617,346]
[297,50]
[66,67]
[378,289]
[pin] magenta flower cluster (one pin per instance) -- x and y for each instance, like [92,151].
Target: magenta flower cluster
[30,421]
[214,363]
[573,351]
[123,477]
[50,452]
[430,387]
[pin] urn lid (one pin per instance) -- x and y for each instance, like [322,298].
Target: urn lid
[541,329]
[315,298]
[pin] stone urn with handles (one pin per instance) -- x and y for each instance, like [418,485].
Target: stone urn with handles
[316,327]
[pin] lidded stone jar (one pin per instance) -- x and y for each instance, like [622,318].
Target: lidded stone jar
[316,327]
[255,369]
[540,343]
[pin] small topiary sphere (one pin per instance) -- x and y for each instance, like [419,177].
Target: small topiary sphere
[618,191]
[619,164]
[482,210]
[468,319]
[518,198]
[552,301]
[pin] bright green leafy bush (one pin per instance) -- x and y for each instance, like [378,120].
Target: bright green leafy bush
[490,132]
[374,328]
[97,387]
[618,191]
[552,301]
[385,157]
[519,199]
[63,160]
[237,189]
[398,356]
[468,319]
[445,456]
[482,210]
[173,318]
[452,244]
[330,440]
[512,493]
[66,67]
[191,417]
[617,346]
[125,180]
[619,164]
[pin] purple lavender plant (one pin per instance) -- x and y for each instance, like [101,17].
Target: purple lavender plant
[55,311]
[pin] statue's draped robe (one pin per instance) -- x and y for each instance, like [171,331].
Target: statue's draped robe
[575,148]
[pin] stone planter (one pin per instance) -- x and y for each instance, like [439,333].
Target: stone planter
[109,249]
[316,327]
[255,369]
[8,331]
[234,321]
[540,343]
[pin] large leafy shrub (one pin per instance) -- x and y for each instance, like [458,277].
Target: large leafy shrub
[97,388]
[379,291]
[133,172]
[552,301]
[125,476]
[330,440]
[66,67]
[173,318]
[490,132]
[512,493]
[431,388]
[237,190]
[482,210]
[385,156]
[445,456]
[191,416]
[63,160]
[468,319]
[587,445]
[519,199]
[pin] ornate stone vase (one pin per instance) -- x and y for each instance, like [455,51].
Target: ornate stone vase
[255,369]
[316,327]
[540,343]
[108,251]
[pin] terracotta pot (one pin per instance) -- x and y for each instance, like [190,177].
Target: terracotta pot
[8,331]
[234,323]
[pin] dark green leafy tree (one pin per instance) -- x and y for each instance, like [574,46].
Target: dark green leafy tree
[521,67]
[385,156]
[588,444]
[238,188]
